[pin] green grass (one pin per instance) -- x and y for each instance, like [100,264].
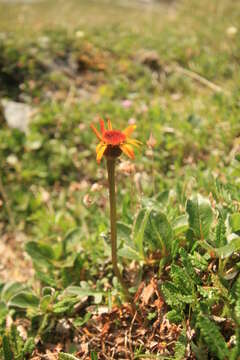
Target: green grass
[74,62]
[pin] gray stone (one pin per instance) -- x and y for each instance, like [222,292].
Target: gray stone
[17,115]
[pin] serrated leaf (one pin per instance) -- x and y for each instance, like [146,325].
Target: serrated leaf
[29,346]
[237,305]
[181,280]
[199,261]
[7,351]
[187,299]
[187,264]
[200,216]
[220,238]
[174,316]
[170,292]
[24,300]
[16,341]
[237,310]
[180,346]
[213,337]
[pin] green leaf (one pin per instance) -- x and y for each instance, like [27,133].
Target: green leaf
[129,253]
[45,301]
[182,280]
[139,229]
[65,305]
[69,238]
[94,355]
[24,300]
[11,289]
[47,290]
[81,291]
[45,278]
[229,249]
[200,216]
[213,337]
[237,305]
[40,252]
[163,197]
[3,310]
[171,295]
[237,310]
[16,341]
[7,351]
[78,322]
[64,356]
[237,157]
[180,225]
[235,222]
[29,346]
[124,232]
[199,261]
[188,267]
[1,287]
[220,239]
[174,316]
[157,233]
[161,230]
[180,346]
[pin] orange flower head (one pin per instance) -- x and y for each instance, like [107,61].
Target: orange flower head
[114,142]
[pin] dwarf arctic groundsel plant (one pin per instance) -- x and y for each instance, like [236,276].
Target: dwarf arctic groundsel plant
[112,144]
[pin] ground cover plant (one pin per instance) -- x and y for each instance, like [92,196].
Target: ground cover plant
[178,207]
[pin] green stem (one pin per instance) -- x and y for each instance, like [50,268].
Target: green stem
[7,204]
[113,220]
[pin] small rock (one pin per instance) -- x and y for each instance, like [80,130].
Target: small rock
[231,31]
[17,115]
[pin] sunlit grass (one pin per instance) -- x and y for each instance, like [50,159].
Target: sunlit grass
[33,17]
[75,60]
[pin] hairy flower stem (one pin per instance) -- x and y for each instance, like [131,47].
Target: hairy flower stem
[113,220]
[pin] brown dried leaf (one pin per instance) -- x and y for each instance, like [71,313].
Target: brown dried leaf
[147,293]
[105,328]
[151,143]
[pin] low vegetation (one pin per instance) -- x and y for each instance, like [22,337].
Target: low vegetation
[178,202]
